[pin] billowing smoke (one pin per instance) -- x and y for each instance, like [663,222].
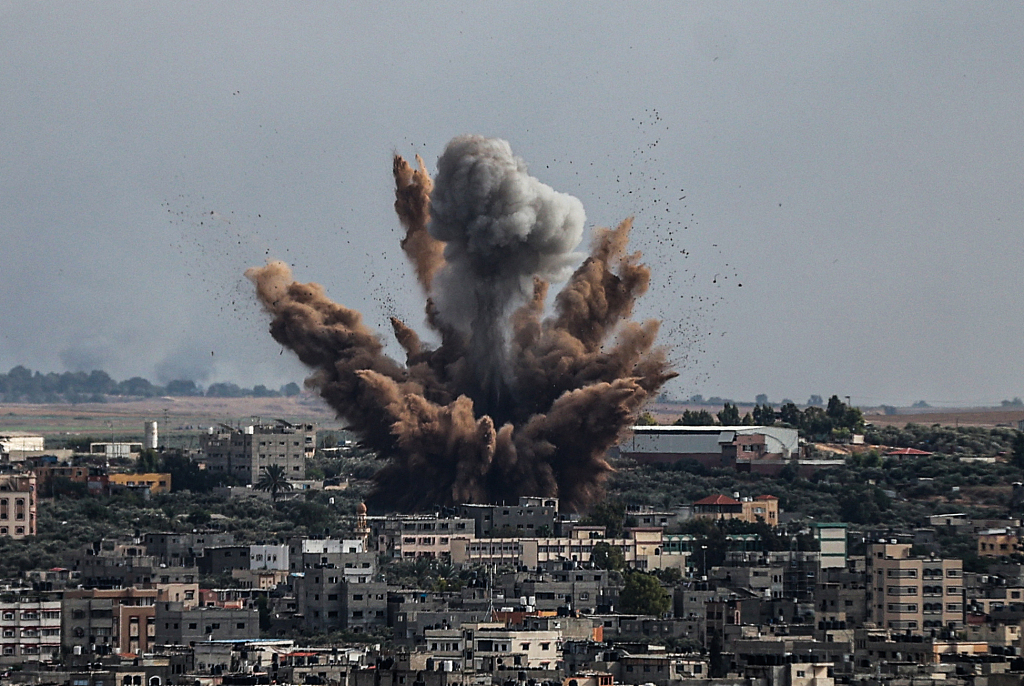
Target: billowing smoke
[512,402]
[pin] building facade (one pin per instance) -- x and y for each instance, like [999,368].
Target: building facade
[246,453]
[914,594]
[18,505]
[29,628]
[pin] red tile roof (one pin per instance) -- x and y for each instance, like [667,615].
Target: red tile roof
[717,500]
[907,451]
[765,497]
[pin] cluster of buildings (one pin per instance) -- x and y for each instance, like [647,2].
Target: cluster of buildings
[532,607]
[755,449]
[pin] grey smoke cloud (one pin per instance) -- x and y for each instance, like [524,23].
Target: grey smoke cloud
[502,228]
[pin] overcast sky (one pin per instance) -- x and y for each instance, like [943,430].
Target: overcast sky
[857,167]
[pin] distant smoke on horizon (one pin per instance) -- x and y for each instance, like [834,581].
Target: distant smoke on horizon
[512,402]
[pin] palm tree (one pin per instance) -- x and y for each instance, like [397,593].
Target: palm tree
[274,480]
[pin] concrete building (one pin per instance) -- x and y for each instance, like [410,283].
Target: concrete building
[108,564]
[18,505]
[763,508]
[831,538]
[913,594]
[246,453]
[268,557]
[712,446]
[20,441]
[1001,542]
[643,548]
[106,621]
[407,537]
[532,516]
[177,625]
[30,626]
[116,450]
[184,546]
[326,601]
[156,483]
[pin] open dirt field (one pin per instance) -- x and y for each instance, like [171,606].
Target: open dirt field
[990,417]
[174,415]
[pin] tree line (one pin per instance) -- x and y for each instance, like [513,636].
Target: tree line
[835,420]
[22,385]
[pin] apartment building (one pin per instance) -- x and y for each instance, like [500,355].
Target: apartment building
[184,546]
[327,601]
[18,505]
[178,625]
[915,594]
[30,626]
[532,516]
[110,620]
[247,452]
[643,548]
[407,537]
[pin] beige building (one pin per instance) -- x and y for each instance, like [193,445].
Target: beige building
[111,620]
[407,537]
[18,505]
[913,594]
[643,548]
[763,508]
[998,542]
[157,483]
[29,629]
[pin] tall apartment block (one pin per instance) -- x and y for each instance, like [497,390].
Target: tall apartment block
[246,453]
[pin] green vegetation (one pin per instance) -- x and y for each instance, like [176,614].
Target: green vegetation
[274,480]
[22,385]
[643,594]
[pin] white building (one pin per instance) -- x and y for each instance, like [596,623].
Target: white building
[268,557]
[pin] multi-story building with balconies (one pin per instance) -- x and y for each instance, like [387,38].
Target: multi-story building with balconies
[29,627]
[915,594]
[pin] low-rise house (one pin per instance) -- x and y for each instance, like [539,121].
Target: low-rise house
[764,508]
[153,482]
[177,625]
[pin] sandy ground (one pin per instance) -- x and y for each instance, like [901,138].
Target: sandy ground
[989,417]
[173,415]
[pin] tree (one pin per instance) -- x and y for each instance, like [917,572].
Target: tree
[729,416]
[607,556]
[148,462]
[643,594]
[836,408]
[609,514]
[764,415]
[646,419]
[274,480]
[1017,457]
[790,414]
[695,418]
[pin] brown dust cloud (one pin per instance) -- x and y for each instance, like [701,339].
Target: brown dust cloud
[514,400]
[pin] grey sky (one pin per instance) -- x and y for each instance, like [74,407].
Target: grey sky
[857,167]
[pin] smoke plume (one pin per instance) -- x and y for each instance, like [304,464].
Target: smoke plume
[512,402]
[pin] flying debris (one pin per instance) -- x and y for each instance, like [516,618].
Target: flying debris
[512,402]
